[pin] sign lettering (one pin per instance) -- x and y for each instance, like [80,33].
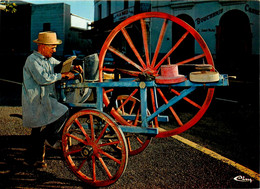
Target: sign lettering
[208,17]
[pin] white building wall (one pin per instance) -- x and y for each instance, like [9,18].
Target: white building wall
[80,23]
[207,14]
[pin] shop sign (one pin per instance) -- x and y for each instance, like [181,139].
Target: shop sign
[208,17]
[124,14]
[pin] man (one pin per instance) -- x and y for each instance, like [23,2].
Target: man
[41,110]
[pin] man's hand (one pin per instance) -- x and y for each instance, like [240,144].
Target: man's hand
[68,75]
[78,68]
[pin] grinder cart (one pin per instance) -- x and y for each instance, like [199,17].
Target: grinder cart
[146,97]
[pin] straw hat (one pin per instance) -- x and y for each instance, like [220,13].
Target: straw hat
[48,38]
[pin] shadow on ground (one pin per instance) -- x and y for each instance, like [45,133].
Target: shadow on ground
[14,173]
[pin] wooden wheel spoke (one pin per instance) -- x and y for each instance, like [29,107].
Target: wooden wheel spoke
[105,167]
[110,156]
[137,117]
[128,98]
[154,107]
[121,55]
[129,144]
[81,165]
[110,143]
[159,43]
[73,151]
[172,110]
[145,42]
[94,168]
[102,133]
[108,69]
[131,44]
[191,59]
[130,72]
[109,90]
[139,140]
[171,51]
[76,138]
[132,107]
[82,129]
[92,127]
[187,99]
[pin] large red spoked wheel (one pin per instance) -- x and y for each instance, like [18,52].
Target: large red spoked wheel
[94,147]
[141,45]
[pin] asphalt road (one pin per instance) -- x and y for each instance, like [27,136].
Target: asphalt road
[166,163]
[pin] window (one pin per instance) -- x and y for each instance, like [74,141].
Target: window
[46,26]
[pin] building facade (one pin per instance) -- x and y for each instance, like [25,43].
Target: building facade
[22,27]
[230,28]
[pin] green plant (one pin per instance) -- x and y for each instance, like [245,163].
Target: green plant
[10,7]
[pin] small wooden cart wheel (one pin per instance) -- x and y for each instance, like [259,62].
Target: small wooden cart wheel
[129,106]
[136,45]
[94,147]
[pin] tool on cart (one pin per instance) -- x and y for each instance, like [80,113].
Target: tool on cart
[149,94]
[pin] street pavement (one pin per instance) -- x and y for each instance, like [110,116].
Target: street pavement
[166,163]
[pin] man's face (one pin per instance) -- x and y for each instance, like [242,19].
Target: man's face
[48,50]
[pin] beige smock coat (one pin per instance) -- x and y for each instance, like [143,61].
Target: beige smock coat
[39,102]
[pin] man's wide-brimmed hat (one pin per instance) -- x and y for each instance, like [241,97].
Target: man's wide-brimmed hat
[47,38]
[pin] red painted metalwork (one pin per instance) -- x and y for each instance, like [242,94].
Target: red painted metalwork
[152,68]
[89,141]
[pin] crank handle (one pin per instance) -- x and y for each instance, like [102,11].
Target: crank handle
[232,77]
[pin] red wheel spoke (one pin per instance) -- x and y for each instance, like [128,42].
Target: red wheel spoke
[121,55]
[171,51]
[73,152]
[154,107]
[76,138]
[132,107]
[139,140]
[82,129]
[164,26]
[130,72]
[109,144]
[105,167]
[129,144]
[129,97]
[94,168]
[102,133]
[81,165]
[110,157]
[109,90]
[172,110]
[145,41]
[191,59]
[108,69]
[187,99]
[92,127]
[137,117]
[131,44]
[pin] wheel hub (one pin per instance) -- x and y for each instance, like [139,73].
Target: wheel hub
[87,151]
